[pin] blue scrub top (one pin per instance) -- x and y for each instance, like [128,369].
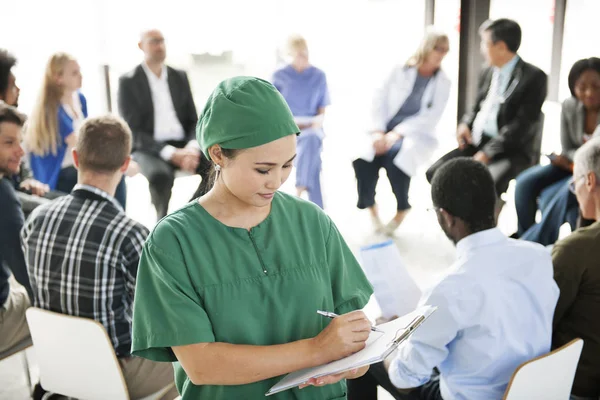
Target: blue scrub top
[305,92]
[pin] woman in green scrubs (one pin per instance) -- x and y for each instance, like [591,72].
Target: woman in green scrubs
[229,285]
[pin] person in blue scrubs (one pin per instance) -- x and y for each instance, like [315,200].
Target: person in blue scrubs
[304,88]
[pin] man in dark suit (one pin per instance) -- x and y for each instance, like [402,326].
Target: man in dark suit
[502,129]
[156,101]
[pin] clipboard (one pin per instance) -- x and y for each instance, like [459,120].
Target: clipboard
[379,347]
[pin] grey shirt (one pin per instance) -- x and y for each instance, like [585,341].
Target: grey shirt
[412,104]
[572,126]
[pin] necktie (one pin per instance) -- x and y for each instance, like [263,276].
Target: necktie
[491,101]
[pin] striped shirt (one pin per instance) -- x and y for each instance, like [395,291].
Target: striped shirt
[82,255]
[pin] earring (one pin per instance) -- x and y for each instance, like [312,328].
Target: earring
[217,168]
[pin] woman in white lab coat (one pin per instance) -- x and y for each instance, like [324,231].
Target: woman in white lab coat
[401,137]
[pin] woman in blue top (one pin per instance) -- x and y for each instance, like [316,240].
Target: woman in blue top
[51,130]
[304,88]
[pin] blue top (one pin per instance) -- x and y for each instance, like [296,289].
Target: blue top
[412,104]
[305,92]
[46,168]
[495,311]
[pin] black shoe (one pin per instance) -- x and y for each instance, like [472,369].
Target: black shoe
[514,235]
[39,392]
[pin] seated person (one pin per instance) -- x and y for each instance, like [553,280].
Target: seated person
[28,189]
[156,101]
[577,273]
[52,127]
[550,183]
[500,130]
[14,298]
[90,232]
[406,110]
[495,304]
[304,88]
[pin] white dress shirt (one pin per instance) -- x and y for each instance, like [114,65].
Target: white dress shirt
[495,310]
[166,124]
[486,120]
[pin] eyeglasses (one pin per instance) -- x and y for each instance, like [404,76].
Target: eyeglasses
[436,209]
[573,182]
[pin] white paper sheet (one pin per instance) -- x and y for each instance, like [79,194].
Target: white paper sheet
[395,290]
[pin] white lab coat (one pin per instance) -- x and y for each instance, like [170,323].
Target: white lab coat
[418,130]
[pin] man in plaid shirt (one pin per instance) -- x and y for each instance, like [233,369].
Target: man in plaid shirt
[82,251]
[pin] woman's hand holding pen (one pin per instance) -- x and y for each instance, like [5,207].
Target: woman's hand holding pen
[345,335]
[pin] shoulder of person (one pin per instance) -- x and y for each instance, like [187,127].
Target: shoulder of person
[177,72]
[442,77]
[578,242]
[532,69]
[167,231]
[7,191]
[570,104]
[318,71]
[295,204]
[132,73]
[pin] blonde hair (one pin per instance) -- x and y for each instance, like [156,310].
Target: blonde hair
[295,43]
[432,38]
[41,132]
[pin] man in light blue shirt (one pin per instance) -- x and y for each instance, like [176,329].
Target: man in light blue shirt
[495,303]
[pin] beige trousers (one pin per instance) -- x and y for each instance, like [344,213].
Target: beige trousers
[144,377]
[13,325]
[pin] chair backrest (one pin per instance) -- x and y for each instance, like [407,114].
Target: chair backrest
[548,377]
[538,135]
[75,356]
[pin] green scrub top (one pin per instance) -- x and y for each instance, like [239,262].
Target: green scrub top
[202,281]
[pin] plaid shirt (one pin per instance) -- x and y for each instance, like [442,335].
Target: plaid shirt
[82,255]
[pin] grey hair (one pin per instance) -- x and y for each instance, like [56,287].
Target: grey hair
[587,156]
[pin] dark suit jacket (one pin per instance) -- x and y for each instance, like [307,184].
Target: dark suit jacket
[135,106]
[518,114]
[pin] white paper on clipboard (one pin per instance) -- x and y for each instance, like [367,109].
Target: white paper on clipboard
[379,346]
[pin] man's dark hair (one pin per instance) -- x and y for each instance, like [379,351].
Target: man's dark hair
[11,115]
[579,68]
[465,189]
[103,144]
[7,61]
[505,30]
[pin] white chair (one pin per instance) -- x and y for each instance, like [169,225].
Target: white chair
[76,357]
[548,377]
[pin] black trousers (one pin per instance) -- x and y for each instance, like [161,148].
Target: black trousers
[365,387]
[161,176]
[367,176]
[503,168]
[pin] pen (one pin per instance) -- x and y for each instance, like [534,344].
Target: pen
[332,315]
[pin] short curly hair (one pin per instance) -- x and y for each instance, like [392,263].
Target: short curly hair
[465,189]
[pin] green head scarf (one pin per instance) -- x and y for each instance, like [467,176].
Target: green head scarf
[244,112]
